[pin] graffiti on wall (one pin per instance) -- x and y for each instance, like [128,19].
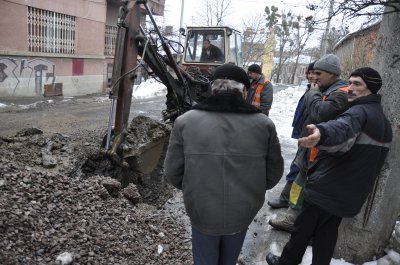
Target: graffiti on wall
[26,75]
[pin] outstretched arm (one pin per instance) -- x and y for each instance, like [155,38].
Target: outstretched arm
[313,138]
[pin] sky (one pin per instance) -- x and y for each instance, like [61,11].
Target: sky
[240,10]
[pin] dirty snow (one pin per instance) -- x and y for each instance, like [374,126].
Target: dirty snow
[285,102]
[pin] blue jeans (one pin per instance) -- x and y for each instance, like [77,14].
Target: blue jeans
[294,170]
[216,250]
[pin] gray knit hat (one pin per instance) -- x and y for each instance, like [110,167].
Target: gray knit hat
[329,63]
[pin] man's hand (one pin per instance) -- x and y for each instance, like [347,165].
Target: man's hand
[312,139]
[314,86]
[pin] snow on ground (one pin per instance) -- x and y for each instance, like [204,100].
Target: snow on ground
[283,108]
[149,88]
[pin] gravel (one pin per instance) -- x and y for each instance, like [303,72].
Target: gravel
[60,199]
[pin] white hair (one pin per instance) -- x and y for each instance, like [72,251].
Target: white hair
[219,85]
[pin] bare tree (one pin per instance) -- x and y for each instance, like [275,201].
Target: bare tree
[254,39]
[303,28]
[282,24]
[358,8]
[213,12]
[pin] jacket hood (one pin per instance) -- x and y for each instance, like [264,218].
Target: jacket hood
[226,102]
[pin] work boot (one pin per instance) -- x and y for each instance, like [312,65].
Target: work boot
[283,200]
[285,222]
[273,259]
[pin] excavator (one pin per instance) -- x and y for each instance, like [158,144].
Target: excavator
[186,75]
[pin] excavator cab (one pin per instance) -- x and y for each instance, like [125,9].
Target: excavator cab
[205,48]
[212,46]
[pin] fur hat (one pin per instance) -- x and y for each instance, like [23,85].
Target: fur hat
[328,63]
[255,68]
[231,72]
[371,78]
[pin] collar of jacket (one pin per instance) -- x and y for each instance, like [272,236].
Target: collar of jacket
[333,87]
[372,98]
[226,102]
[259,81]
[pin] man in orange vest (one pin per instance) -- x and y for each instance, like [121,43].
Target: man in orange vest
[261,91]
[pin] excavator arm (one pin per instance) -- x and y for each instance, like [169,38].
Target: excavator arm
[133,47]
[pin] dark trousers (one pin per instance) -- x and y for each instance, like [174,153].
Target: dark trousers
[318,225]
[216,250]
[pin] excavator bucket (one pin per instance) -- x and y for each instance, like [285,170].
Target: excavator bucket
[147,157]
[145,142]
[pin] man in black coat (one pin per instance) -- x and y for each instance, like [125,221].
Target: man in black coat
[352,151]
[210,52]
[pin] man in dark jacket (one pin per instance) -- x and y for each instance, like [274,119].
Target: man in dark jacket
[223,154]
[283,200]
[261,91]
[321,103]
[352,151]
[211,53]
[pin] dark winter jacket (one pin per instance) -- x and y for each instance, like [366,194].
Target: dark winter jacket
[319,106]
[352,151]
[224,155]
[267,94]
[296,124]
[213,53]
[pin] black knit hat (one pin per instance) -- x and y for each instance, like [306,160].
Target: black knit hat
[310,66]
[232,72]
[255,68]
[371,78]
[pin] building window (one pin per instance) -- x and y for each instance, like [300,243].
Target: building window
[111,36]
[50,32]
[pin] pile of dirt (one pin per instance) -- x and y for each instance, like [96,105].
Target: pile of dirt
[59,194]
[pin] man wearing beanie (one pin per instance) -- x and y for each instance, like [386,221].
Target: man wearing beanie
[353,148]
[322,102]
[261,90]
[211,149]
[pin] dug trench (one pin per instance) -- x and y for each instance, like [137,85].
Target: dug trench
[61,194]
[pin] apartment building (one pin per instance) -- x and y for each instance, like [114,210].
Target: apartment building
[58,47]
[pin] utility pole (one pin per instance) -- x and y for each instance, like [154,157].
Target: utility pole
[181,22]
[328,25]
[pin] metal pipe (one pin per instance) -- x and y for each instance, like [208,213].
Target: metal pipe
[110,123]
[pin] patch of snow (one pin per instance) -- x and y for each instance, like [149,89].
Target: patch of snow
[148,89]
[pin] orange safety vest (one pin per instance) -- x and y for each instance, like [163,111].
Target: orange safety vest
[314,150]
[257,95]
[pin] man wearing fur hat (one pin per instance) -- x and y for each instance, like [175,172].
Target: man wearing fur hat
[352,151]
[321,103]
[261,91]
[211,149]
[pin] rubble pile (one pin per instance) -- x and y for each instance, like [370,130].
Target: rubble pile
[60,199]
[43,215]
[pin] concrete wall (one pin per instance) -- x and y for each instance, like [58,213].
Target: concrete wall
[26,76]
